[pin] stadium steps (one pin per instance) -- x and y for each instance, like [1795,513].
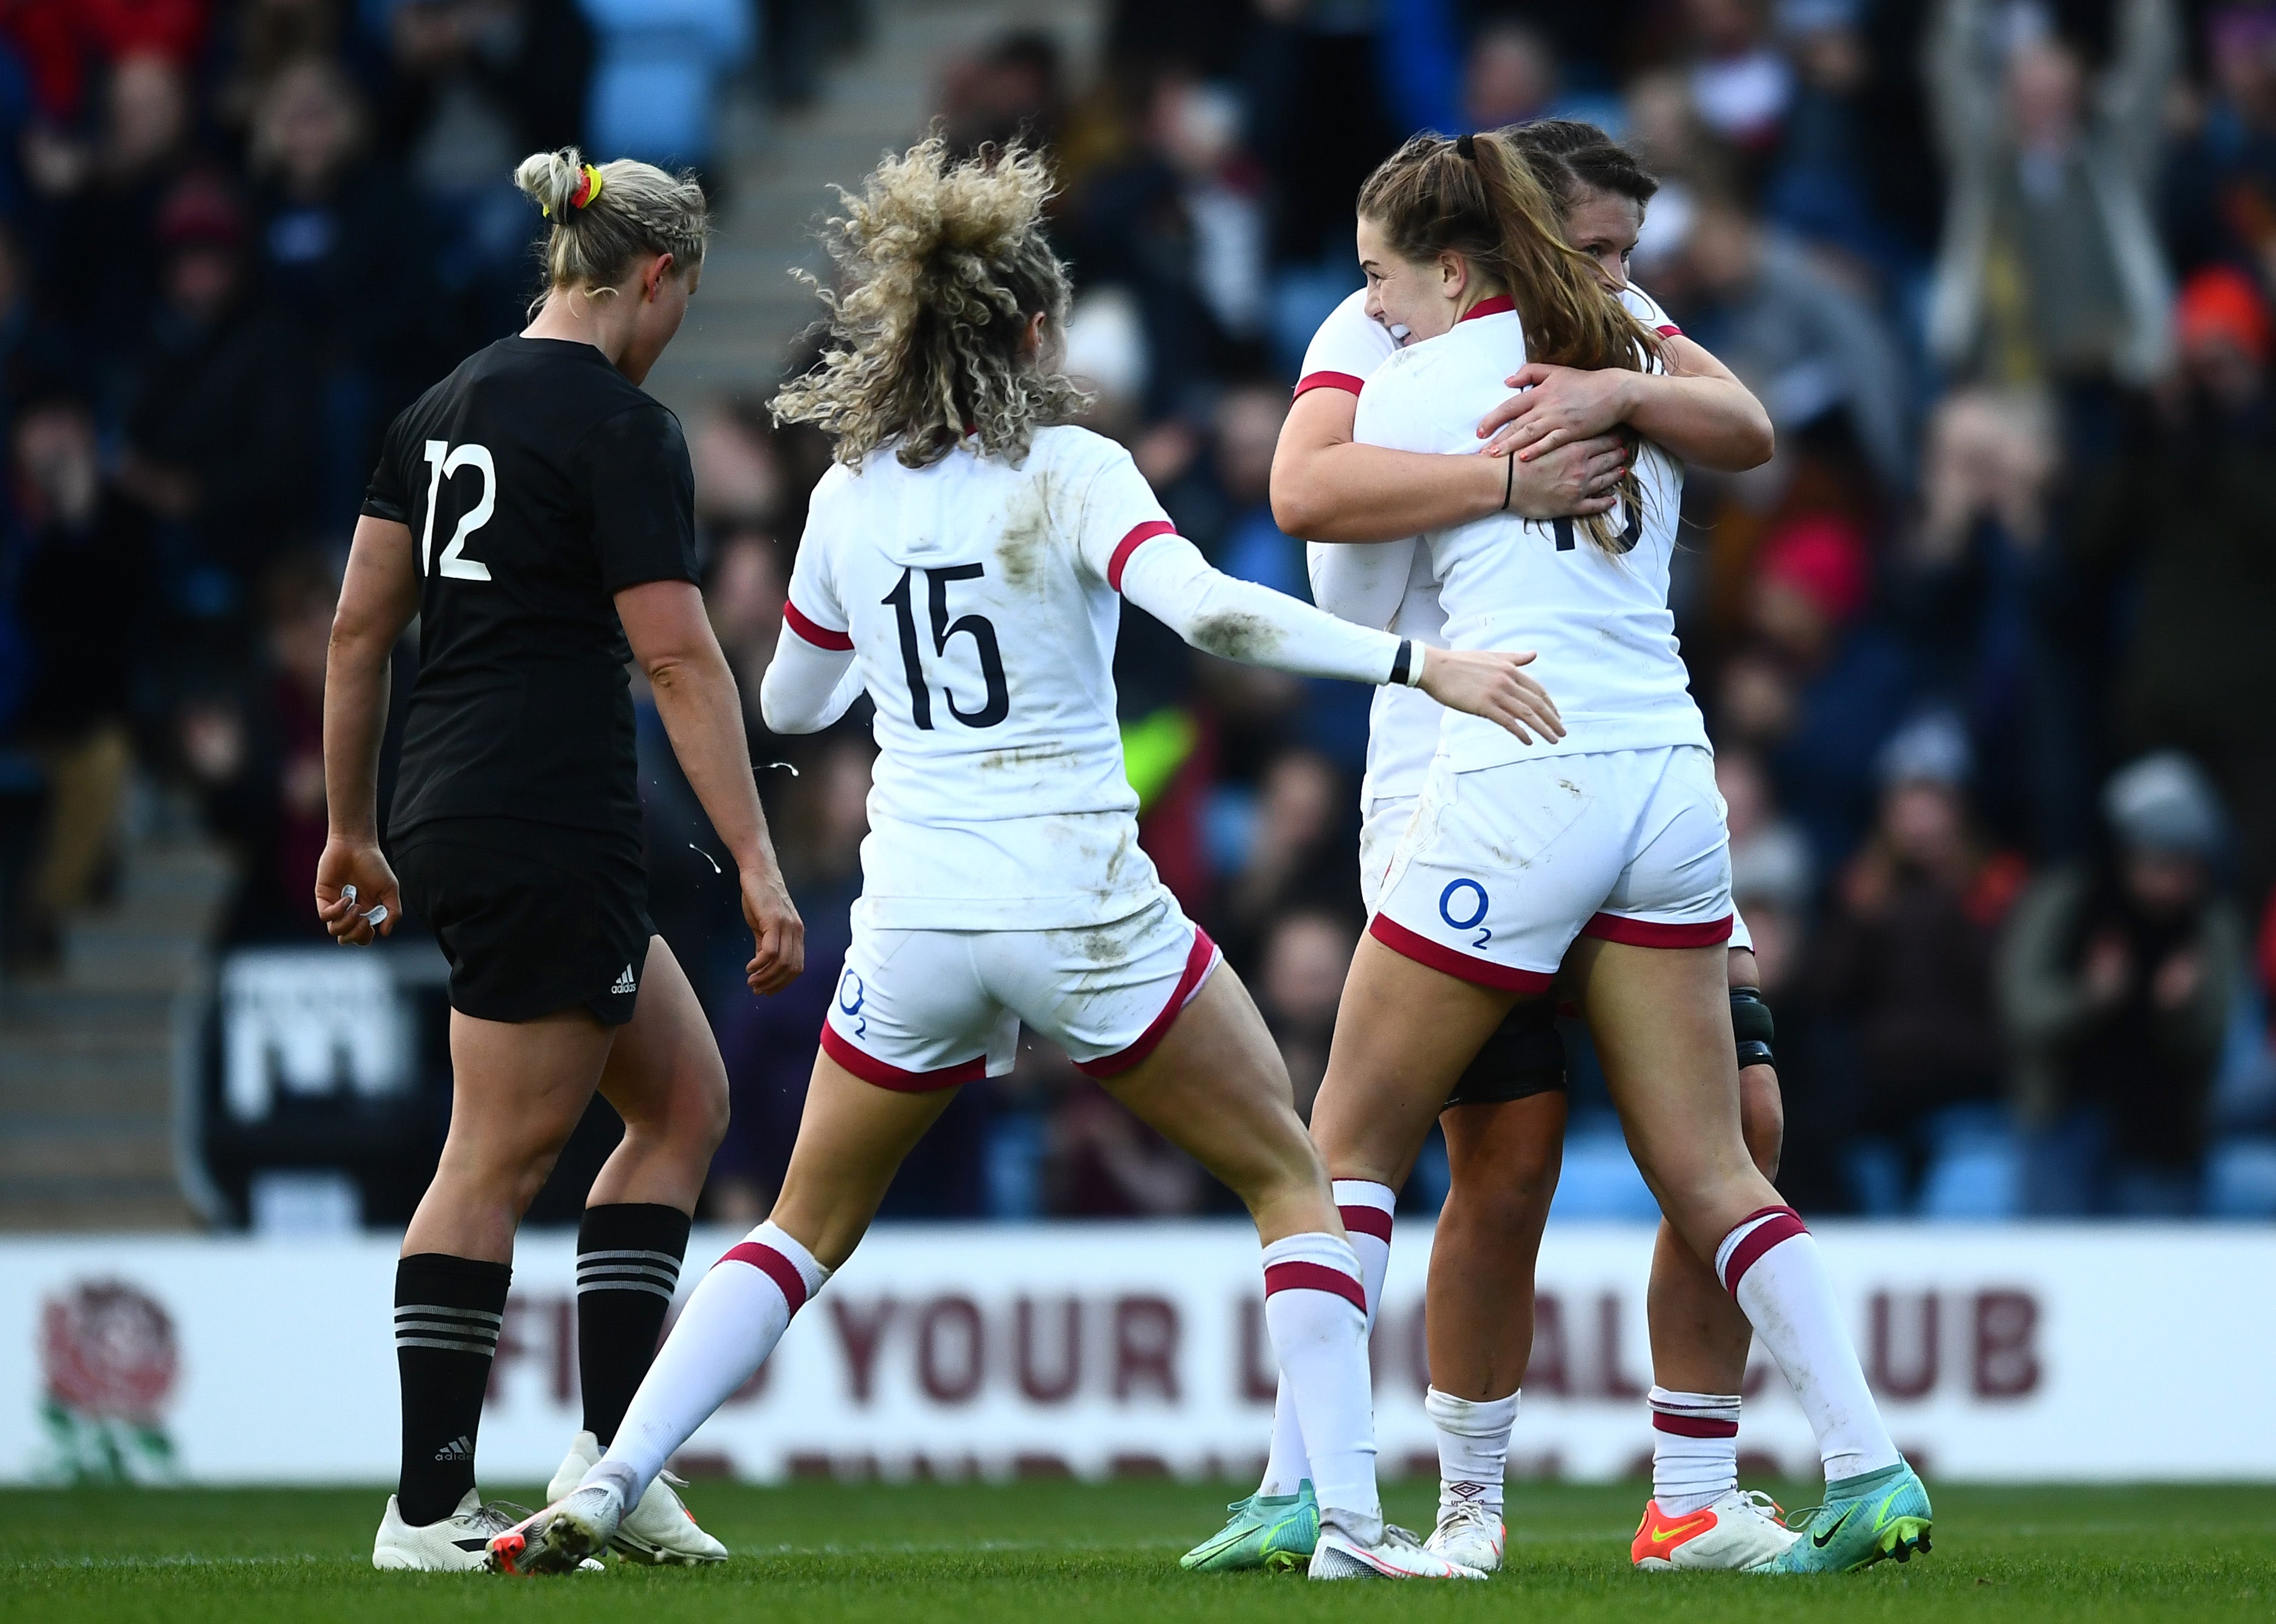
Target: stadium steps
[87,1055]
[779,172]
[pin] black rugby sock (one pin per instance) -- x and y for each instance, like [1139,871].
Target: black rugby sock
[447,1314]
[627,1266]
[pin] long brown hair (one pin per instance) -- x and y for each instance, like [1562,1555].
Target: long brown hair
[1479,197]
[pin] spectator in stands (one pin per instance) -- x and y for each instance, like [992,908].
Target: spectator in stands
[80,560]
[334,256]
[1979,590]
[258,756]
[1806,346]
[2050,266]
[1012,90]
[2190,509]
[1738,81]
[472,86]
[1821,690]
[1301,984]
[1906,956]
[768,1045]
[1105,1163]
[1509,78]
[2221,185]
[223,431]
[101,256]
[749,583]
[2115,985]
[1298,853]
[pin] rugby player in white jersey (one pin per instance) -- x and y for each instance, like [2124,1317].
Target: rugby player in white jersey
[965,562]
[1503,1120]
[1601,852]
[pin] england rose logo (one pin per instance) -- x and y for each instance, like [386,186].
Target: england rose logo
[110,1359]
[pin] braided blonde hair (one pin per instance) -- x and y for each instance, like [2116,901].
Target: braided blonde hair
[942,263]
[608,216]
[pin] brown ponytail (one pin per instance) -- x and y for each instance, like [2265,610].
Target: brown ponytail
[1479,197]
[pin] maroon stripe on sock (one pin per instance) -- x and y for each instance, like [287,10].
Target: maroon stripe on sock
[1693,1426]
[1366,1221]
[1780,1225]
[1315,1277]
[775,1266]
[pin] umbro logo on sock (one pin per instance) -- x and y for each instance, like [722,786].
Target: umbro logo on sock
[459,1448]
[625,983]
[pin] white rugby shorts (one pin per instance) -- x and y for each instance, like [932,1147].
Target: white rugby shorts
[1501,869]
[919,1010]
[1382,826]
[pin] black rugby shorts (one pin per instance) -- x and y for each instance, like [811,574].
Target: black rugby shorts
[533,917]
[1524,1057]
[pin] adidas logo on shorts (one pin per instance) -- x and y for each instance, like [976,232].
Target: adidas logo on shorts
[625,983]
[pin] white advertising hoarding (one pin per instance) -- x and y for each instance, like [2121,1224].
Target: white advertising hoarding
[2001,1353]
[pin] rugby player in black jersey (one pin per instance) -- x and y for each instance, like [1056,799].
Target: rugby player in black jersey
[534,511]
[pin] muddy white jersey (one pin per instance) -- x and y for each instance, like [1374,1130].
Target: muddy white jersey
[977,601]
[975,595]
[1403,725]
[1599,622]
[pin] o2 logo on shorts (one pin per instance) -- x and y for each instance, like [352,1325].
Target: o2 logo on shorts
[861,995]
[1447,903]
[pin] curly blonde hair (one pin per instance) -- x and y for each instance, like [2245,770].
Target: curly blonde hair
[942,263]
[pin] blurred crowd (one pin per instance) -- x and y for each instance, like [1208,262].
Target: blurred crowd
[1986,649]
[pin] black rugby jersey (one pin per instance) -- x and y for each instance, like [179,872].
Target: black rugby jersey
[537,482]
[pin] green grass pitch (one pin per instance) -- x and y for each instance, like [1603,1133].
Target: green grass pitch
[1032,1551]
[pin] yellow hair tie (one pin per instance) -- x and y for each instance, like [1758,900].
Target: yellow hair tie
[589,187]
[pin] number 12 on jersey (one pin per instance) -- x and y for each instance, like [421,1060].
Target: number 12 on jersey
[998,703]
[443,462]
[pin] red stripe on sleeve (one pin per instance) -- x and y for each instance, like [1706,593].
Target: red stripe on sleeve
[820,636]
[1669,330]
[775,1266]
[1315,1277]
[1343,381]
[1140,535]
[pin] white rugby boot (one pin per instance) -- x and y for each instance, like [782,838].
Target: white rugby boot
[660,1530]
[566,1536]
[1740,1530]
[1398,1554]
[459,1544]
[1469,1534]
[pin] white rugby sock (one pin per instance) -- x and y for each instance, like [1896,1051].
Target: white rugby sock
[1694,1449]
[738,1313]
[1472,1447]
[1315,1308]
[1771,1264]
[1365,1206]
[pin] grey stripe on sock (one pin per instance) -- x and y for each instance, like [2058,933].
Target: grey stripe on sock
[449,1344]
[666,1258]
[441,1310]
[587,1287]
[588,1279]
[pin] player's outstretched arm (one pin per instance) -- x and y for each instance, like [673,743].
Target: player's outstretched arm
[1697,410]
[1167,577]
[378,595]
[695,695]
[1328,488]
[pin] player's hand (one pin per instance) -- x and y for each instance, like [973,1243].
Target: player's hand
[1573,481]
[776,932]
[1486,682]
[353,883]
[1556,406]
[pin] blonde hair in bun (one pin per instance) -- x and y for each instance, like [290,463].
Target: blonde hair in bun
[605,221]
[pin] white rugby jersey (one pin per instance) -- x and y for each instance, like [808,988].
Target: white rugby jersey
[1402,725]
[977,601]
[1601,624]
